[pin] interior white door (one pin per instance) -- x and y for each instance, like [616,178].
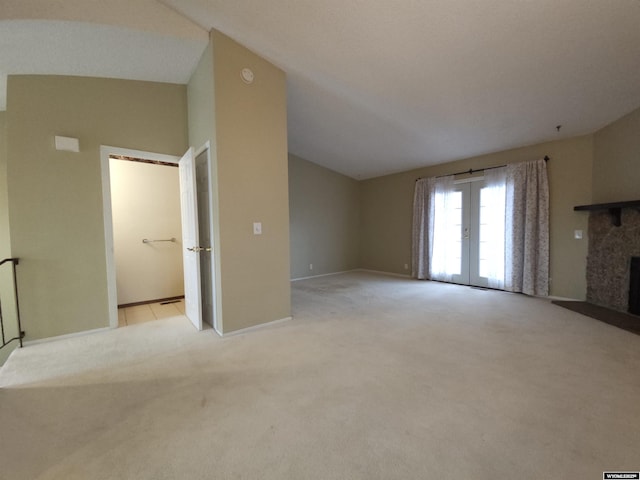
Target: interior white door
[190,239]
[205,230]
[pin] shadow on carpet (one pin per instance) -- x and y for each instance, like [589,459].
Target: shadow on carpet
[622,320]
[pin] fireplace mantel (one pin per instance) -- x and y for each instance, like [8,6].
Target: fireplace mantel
[614,208]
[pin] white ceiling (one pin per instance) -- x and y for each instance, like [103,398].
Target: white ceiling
[374,86]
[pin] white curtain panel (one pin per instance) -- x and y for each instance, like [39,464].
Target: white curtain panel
[527,228]
[492,230]
[446,234]
[519,263]
[422,238]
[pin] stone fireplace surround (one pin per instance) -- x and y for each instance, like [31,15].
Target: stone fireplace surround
[608,262]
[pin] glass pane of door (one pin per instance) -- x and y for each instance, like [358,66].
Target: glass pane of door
[487,235]
[460,235]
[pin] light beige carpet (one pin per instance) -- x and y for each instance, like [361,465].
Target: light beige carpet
[375,378]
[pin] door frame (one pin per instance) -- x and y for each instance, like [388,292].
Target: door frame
[214,235]
[105,152]
[469,187]
[473,186]
[112,293]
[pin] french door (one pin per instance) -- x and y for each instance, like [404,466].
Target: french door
[477,235]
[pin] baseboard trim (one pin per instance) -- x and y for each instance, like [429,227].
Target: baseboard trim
[380,272]
[39,341]
[324,275]
[255,327]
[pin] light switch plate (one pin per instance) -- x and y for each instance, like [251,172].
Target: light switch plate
[257,228]
[577,234]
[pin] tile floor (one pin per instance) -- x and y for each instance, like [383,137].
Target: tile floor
[149,312]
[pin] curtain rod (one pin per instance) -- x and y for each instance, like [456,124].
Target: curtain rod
[471,170]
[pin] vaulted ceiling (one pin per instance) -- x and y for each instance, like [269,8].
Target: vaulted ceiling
[374,86]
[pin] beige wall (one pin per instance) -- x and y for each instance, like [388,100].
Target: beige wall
[56,203]
[5,248]
[6,276]
[201,101]
[251,133]
[387,210]
[5,240]
[55,198]
[202,129]
[145,201]
[616,166]
[248,131]
[324,212]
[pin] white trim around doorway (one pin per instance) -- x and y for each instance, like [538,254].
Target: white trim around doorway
[105,152]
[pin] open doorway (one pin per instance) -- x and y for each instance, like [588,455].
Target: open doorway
[163,242]
[147,238]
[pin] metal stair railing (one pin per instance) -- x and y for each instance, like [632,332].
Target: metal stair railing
[5,341]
